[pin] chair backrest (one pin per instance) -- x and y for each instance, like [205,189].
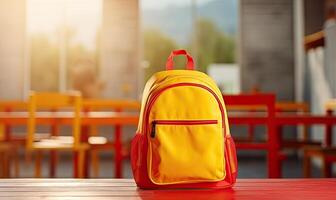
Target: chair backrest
[8,106]
[295,107]
[299,107]
[109,104]
[251,102]
[49,100]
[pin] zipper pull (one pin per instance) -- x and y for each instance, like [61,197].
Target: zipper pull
[153,129]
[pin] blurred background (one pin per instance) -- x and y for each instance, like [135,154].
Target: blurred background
[121,42]
[109,48]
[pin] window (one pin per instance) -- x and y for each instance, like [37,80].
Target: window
[63,37]
[206,28]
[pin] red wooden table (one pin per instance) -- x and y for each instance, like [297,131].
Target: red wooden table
[97,189]
[116,119]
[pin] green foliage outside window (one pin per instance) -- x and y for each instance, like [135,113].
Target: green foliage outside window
[213,46]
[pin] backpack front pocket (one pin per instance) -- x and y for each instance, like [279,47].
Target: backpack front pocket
[185,151]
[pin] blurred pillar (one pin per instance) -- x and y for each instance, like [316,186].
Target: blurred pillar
[120,45]
[12,45]
[267,46]
[299,49]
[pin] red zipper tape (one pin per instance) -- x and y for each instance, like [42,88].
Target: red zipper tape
[180,122]
[185,122]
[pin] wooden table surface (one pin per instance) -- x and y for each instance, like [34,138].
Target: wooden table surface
[126,189]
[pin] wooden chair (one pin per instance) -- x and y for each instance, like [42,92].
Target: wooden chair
[103,145]
[297,108]
[8,154]
[250,109]
[19,139]
[41,101]
[280,107]
[265,102]
[8,144]
[8,107]
[326,153]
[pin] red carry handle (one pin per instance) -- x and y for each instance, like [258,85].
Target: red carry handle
[170,60]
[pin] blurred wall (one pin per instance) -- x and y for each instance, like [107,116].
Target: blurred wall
[12,43]
[267,46]
[120,48]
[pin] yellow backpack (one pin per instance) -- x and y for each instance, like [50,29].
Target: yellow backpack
[183,138]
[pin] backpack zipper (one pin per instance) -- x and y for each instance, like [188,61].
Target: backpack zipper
[156,95]
[179,122]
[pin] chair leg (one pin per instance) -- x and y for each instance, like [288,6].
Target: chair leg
[95,163]
[53,164]
[6,164]
[75,164]
[28,157]
[38,161]
[17,167]
[16,161]
[2,165]
[326,168]
[306,164]
[117,152]
[81,158]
